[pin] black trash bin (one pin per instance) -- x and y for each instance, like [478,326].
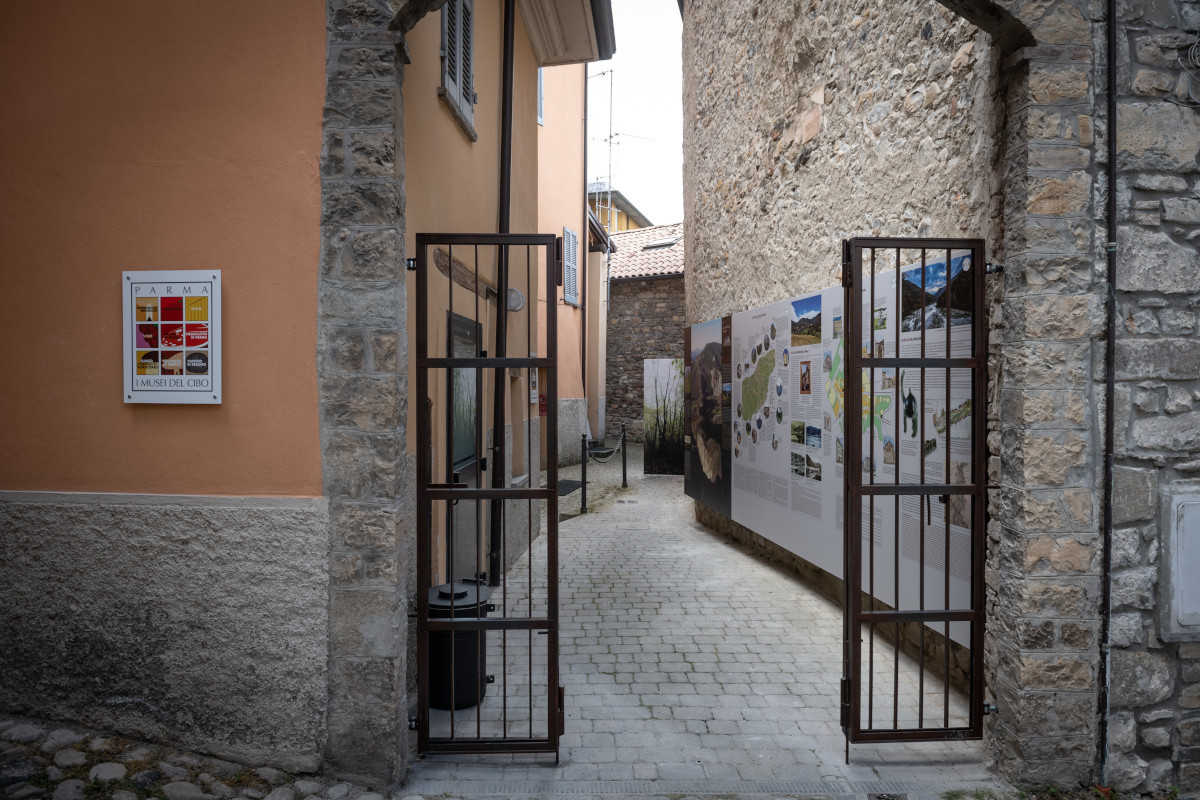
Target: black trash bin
[469,675]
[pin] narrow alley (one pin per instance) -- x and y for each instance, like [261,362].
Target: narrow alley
[690,667]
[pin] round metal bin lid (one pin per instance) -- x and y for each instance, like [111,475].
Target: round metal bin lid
[463,595]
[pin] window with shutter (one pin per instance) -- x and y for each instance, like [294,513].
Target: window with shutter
[458,68]
[570,267]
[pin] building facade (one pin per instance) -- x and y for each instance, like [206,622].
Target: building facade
[237,577]
[972,118]
[645,317]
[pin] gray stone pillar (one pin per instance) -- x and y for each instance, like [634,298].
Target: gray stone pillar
[1043,573]
[363,368]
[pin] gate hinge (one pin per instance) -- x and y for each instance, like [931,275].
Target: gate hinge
[847,276]
[412,723]
[989,709]
[411,263]
[992,269]
[483,464]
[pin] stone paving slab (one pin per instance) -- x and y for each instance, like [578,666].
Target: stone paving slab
[692,670]
[690,667]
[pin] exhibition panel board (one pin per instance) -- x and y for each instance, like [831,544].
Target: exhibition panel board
[767,428]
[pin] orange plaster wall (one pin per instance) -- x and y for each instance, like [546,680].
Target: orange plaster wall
[452,185]
[561,201]
[148,135]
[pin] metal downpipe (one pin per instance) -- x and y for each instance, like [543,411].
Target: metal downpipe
[1110,333]
[496,518]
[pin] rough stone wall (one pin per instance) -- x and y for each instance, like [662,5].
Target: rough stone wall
[200,621]
[954,137]
[363,367]
[806,123]
[1047,112]
[839,119]
[646,318]
[1154,729]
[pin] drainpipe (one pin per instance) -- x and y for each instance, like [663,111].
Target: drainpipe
[505,209]
[585,230]
[1110,335]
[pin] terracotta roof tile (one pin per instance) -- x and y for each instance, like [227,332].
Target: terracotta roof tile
[633,259]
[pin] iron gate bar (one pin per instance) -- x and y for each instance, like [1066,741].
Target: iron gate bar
[859,488]
[916,488]
[443,492]
[921,363]
[492,363]
[427,495]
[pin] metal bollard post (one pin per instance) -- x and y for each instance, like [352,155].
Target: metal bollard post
[583,493]
[624,481]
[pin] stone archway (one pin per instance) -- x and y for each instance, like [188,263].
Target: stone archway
[1044,567]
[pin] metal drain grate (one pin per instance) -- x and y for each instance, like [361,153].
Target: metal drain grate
[566,486]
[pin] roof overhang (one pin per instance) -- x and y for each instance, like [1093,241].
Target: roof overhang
[569,31]
[598,238]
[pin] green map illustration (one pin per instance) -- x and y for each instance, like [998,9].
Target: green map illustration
[883,403]
[835,386]
[756,387]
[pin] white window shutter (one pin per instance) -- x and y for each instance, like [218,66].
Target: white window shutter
[570,267]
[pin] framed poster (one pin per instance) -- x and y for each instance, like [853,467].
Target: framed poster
[171,336]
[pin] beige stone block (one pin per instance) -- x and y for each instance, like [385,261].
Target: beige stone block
[1085,130]
[1043,599]
[1063,25]
[1079,504]
[1152,83]
[346,568]
[365,403]
[1038,514]
[1059,157]
[384,349]
[366,526]
[1039,407]
[1037,365]
[1157,136]
[1055,85]
[1044,123]
[1047,461]
[1056,672]
[1075,408]
[1059,196]
[1060,554]
[1062,317]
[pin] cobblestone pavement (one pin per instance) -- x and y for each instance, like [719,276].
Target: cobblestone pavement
[45,761]
[690,668]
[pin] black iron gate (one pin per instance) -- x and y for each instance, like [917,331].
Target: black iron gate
[915,501]
[487,603]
